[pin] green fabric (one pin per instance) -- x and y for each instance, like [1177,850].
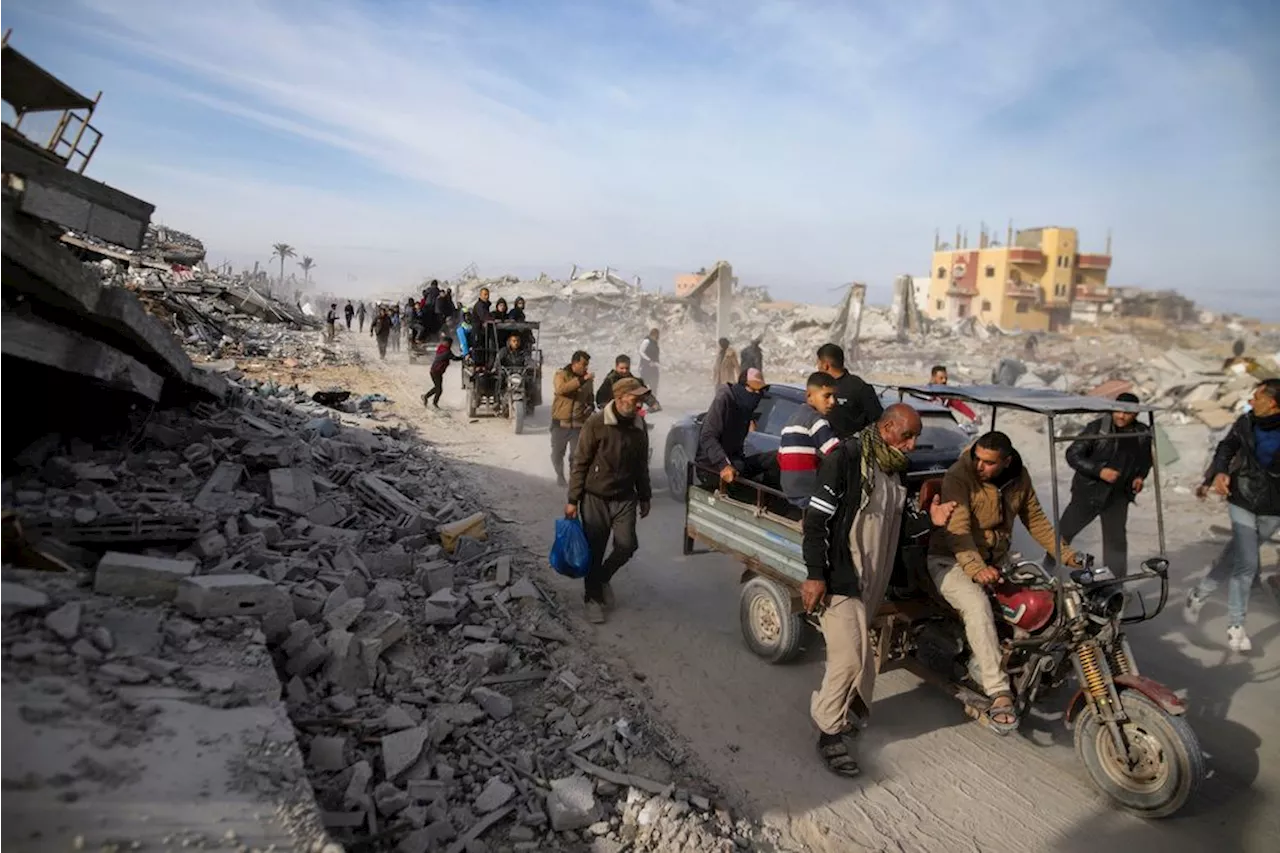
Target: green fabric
[876,452]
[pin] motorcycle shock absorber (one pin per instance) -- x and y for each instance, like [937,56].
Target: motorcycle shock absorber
[1120,657]
[1094,675]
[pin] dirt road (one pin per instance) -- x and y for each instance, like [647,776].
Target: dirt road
[932,780]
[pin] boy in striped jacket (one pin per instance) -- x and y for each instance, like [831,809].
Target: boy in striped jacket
[807,438]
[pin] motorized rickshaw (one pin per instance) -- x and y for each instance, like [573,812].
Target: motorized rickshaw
[499,382]
[1130,731]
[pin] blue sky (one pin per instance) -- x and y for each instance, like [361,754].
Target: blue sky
[809,143]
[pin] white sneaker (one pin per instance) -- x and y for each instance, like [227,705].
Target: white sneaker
[1238,640]
[595,612]
[1192,606]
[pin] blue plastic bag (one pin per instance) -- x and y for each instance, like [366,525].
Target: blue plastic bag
[570,554]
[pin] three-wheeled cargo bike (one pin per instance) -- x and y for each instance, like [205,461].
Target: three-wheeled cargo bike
[1130,731]
[499,381]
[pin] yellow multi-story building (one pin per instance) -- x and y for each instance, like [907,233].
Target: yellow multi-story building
[1029,283]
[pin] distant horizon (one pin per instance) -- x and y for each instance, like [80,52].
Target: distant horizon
[809,144]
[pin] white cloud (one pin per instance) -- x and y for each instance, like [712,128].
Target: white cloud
[823,139]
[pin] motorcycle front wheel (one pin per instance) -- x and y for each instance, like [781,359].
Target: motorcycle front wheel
[1164,764]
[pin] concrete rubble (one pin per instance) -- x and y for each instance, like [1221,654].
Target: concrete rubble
[437,700]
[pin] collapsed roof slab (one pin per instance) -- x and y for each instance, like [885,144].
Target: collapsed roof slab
[29,88]
[47,273]
[41,342]
[52,192]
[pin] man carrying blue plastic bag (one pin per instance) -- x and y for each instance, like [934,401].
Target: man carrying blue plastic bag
[608,486]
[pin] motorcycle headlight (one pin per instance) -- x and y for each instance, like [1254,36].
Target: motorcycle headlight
[516,379]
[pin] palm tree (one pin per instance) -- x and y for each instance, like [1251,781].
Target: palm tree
[307,263]
[283,250]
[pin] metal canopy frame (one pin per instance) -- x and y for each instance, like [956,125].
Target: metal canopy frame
[1051,405]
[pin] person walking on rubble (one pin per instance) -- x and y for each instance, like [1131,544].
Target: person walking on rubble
[650,365]
[727,370]
[395,328]
[752,357]
[349,312]
[1246,471]
[361,314]
[856,523]
[570,407]
[1110,473]
[382,331]
[331,322]
[608,487]
[440,364]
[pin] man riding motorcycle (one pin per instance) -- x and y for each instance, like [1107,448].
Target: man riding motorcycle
[990,488]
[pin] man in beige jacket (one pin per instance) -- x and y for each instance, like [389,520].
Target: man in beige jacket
[991,489]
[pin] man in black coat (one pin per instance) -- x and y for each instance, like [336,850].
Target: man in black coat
[857,404]
[1110,473]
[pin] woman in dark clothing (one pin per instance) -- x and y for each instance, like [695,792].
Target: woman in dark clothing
[516,315]
[446,310]
[500,310]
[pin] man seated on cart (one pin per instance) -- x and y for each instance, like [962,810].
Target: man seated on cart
[990,488]
[514,357]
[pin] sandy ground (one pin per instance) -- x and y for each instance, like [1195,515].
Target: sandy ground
[932,780]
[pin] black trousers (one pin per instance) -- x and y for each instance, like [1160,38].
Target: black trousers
[601,520]
[1114,514]
[563,437]
[437,389]
[382,345]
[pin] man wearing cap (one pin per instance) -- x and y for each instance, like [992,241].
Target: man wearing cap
[608,485]
[1110,473]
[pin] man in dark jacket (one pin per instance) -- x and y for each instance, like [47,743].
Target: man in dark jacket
[349,312]
[1110,473]
[857,520]
[857,403]
[444,355]
[723,434]
[1246,470]
[482,311]
[608,485]
[622,370]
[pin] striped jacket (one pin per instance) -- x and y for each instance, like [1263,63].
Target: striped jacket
[806,438]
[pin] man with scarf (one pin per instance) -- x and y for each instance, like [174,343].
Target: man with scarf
[1111,471]
[857,520]
[1246,471]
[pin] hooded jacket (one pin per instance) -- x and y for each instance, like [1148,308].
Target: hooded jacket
[574,398]
[612,459]
[1254,487]
[1130,456]
[980,529]
[724,429]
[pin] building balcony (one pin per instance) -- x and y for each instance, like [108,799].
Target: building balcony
[1021,290]
[1093,262]
[1023,255]
[1085,293]
[959,291]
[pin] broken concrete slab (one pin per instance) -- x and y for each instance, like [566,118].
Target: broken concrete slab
[495,795]
[346,668]
[571,804]
[65,621]
[138,576]
[358,786]
[39,342]
[497,705]
[16,598]
[401,750]
[384,626]
[292,490]
[213,596]
[327,754]
[341,617]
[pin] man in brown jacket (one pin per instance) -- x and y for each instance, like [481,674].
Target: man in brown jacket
[990,489]
[608,484]
[572,404]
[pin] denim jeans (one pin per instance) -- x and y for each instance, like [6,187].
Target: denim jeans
[1238,562]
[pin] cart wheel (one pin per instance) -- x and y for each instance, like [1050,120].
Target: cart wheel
[771,630]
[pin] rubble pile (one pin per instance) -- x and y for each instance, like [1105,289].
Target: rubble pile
[440,701]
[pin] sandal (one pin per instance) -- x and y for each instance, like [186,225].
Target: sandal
[836,757]
[994,711]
